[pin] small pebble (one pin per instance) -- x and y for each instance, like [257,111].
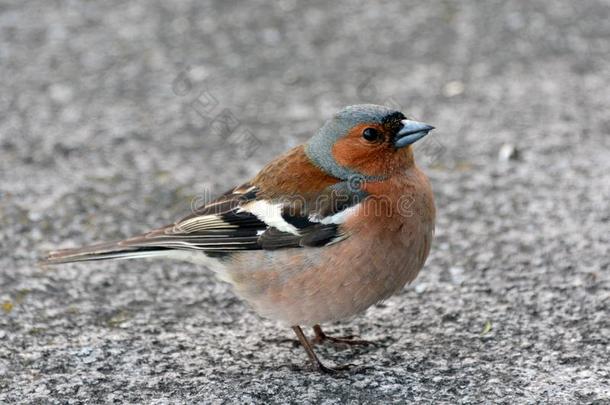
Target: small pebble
[453,88]
[508,152]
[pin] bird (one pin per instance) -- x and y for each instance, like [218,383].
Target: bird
[320,234]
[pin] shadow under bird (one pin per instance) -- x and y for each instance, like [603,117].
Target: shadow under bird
[320,234]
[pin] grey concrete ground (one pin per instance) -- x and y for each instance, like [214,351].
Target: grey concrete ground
[105,132]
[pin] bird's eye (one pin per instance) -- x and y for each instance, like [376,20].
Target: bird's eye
[371,134]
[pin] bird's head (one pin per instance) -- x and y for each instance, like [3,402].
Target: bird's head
[365,140]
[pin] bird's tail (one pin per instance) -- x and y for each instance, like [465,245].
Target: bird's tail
[102,251]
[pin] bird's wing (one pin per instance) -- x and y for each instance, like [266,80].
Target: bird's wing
[241,219]
[276,209]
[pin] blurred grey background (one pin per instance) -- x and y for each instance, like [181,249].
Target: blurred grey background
[116,117]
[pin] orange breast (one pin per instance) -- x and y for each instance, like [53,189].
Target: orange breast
[385,250]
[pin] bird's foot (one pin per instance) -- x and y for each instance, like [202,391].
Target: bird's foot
[350,340]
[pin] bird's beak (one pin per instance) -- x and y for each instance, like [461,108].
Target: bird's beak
[411,131]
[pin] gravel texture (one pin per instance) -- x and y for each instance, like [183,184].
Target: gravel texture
[111,123]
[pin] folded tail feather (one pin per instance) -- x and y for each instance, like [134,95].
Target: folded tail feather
[103,251]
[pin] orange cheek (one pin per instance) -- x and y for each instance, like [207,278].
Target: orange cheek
[349,151]
[354,152]
[359,155]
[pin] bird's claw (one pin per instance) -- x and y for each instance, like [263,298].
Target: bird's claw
[349,340]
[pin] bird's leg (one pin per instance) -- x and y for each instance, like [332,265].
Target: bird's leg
[312,355]
[351,340]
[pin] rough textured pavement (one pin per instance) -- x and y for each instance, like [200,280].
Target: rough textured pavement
[105,132]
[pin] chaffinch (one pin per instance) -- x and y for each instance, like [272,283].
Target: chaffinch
[319,234]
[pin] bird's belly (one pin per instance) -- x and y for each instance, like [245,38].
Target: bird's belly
[315,285]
